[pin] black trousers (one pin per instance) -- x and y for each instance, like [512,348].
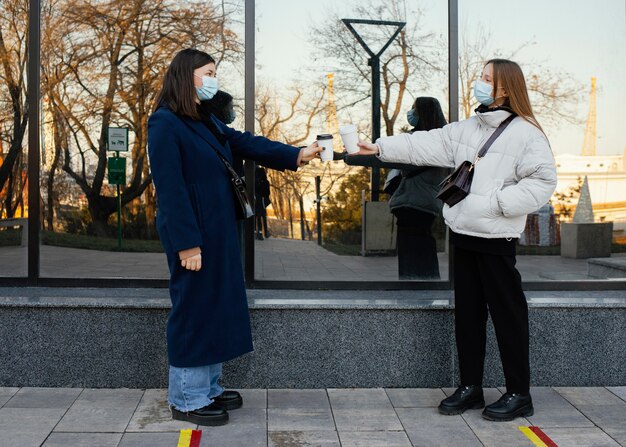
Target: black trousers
[489,282]
[417,248]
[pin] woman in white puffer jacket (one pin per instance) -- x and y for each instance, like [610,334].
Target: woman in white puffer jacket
[516,177]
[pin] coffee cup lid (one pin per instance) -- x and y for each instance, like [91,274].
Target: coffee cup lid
[347,128]
[325,136]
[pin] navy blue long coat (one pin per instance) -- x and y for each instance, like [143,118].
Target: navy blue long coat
[209,321]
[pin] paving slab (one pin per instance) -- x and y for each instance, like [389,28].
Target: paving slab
[415,397]
[310,399]
[359,398]
[589,396]
[6,393]
[602,406]
[497,434]
[296,419]
[100,411]
[426,427]
[254,398]
[374,439]
[580,437]
[553,410]
[303,438]
[150,439]
[619,391]
[153,415]
[83,440]
[610,418]
[26,427]
[44,398]
[244,417]
[233,435]
[367,419]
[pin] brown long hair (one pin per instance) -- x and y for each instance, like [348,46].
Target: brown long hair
[509,74]
[178,91]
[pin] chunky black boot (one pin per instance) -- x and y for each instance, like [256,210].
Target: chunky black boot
[229,400]
[464,398]
[211,415]
[509,407]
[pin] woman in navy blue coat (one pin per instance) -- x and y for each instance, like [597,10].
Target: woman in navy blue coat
[209,322]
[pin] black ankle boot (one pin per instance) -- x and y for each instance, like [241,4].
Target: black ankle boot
[464,398]
[229,400]
[211,415]
[508,407]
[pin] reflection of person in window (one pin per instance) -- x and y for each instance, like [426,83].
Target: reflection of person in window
[516,177]
[414,202]
[196,220]
[262,201]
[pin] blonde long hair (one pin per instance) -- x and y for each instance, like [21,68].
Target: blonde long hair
[508,75]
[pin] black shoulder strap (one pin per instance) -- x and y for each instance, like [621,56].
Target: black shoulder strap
[223,159]
[229,168]
[494,136]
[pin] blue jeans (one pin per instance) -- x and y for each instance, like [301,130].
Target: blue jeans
[194,388]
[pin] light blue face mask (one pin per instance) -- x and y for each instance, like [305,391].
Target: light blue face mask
[411,118]
[209,88]
[482,92]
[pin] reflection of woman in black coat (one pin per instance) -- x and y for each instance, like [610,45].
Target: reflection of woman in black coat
[262,201]
[415,202]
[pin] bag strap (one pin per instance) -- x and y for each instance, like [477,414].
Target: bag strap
[503,125]
[238,181]
[229,167]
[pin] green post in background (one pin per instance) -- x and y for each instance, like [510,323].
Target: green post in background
[117,176]
[119,208]
[117,140]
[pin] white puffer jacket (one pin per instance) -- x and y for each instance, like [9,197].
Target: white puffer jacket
[516,177]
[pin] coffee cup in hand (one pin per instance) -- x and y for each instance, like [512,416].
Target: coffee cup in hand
[325,141]
[350,137]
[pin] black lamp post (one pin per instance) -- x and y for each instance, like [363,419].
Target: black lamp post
[374,62]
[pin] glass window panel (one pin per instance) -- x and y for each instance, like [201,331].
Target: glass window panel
[13,139]
[575,71]
[102,65]
[312,77]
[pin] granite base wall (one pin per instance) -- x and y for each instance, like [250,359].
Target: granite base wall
[295,347]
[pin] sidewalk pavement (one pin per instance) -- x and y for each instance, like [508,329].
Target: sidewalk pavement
[275,259]
[55,417]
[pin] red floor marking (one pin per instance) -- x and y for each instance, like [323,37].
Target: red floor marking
[545,438]
[195,438]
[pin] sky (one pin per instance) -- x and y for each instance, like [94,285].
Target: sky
[581,38]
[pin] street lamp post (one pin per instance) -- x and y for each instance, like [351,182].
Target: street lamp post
[374,62]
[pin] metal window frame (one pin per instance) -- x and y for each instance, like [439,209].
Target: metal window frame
[34,277]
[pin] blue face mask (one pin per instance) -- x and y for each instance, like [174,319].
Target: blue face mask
[411,118]
[482,92]
[209,88]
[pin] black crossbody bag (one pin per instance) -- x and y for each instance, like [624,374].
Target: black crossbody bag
[457,185]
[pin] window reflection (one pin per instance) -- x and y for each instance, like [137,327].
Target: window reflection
[323,222]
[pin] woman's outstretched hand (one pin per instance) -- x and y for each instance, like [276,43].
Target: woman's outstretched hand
[367,148]
[308,153]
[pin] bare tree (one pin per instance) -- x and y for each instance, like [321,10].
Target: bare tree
[13,107]
[109,60]
[406,66]
[553,94]
[291,119]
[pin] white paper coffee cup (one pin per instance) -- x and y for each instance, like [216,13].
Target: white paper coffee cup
[350,137]
[326,141]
